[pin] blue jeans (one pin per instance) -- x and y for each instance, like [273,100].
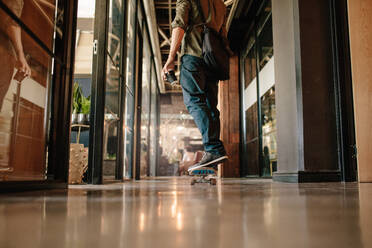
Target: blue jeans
[200,95]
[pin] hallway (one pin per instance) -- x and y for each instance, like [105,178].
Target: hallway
[168,212]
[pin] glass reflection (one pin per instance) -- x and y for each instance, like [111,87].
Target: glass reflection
[250,66]
[129,83]
[130,45]
[267,93]
[145,106]
[128,139]
[113,80]
[24,82]
[154,123]
[260,161]
[38,15]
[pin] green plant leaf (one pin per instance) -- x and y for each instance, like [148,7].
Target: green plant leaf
[85,105]
[77,99]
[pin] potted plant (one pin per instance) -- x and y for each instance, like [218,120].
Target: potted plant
[80,106]
[85,108]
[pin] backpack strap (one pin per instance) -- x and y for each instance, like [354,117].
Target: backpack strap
[205,21]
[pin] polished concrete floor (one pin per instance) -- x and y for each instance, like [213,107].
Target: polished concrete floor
[169,212]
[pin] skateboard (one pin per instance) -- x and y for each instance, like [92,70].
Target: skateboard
[204,175]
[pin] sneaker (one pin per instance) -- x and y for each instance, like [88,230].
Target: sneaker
[208,160]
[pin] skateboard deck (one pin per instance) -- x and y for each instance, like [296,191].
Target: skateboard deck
[204,175]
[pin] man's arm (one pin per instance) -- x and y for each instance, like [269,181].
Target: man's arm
[177,36]
[179,25]
[14,34]
[13,31]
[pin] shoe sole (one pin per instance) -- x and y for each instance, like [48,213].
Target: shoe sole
[220,159]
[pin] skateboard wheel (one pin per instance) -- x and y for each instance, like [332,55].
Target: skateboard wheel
[213,181]
[192,182]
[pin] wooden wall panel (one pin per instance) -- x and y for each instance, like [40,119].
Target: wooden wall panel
[318,101]
[252,123]
[252,147]
[28,152]
[40,19]
[252,163]
[230,120]
[360,19]
[27,144]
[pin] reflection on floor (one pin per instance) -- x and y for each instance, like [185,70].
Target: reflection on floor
[168,212]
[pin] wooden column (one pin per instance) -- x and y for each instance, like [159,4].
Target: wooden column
[230,120]
[360,19]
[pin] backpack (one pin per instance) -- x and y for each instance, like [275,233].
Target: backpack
[215,54]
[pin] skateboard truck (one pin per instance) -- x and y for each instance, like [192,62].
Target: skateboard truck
[204,175]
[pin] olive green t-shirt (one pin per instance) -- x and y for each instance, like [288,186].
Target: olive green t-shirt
[188,15]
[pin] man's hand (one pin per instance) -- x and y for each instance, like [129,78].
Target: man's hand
[23,66]
[177,36]
[169,66]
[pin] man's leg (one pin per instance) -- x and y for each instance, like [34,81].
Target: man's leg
[211,92]
[200,98]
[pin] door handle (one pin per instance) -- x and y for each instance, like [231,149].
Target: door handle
[95,47]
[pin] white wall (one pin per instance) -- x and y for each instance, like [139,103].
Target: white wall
[33,92]
[267,81]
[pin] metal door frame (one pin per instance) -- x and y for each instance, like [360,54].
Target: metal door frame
[97,115]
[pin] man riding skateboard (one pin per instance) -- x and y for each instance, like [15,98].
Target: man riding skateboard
[199,86]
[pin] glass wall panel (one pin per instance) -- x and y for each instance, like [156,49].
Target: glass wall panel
[266,51]
[251,151]
[131,22]
[259,49]
[115,31]
[111,110]
[25,74]
[130,88]
[39,16]
[128,139]
[80,126]
[267,93]
[250,67]
[153,123]
[145,105]
[269,132]
[113,80]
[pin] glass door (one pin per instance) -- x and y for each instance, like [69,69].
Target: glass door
[130,82]
[34,80]
[251,137]
[113,91]
[25,82]
[106,127]
[145,104]
[258,98]
[266,77]
[81,96]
